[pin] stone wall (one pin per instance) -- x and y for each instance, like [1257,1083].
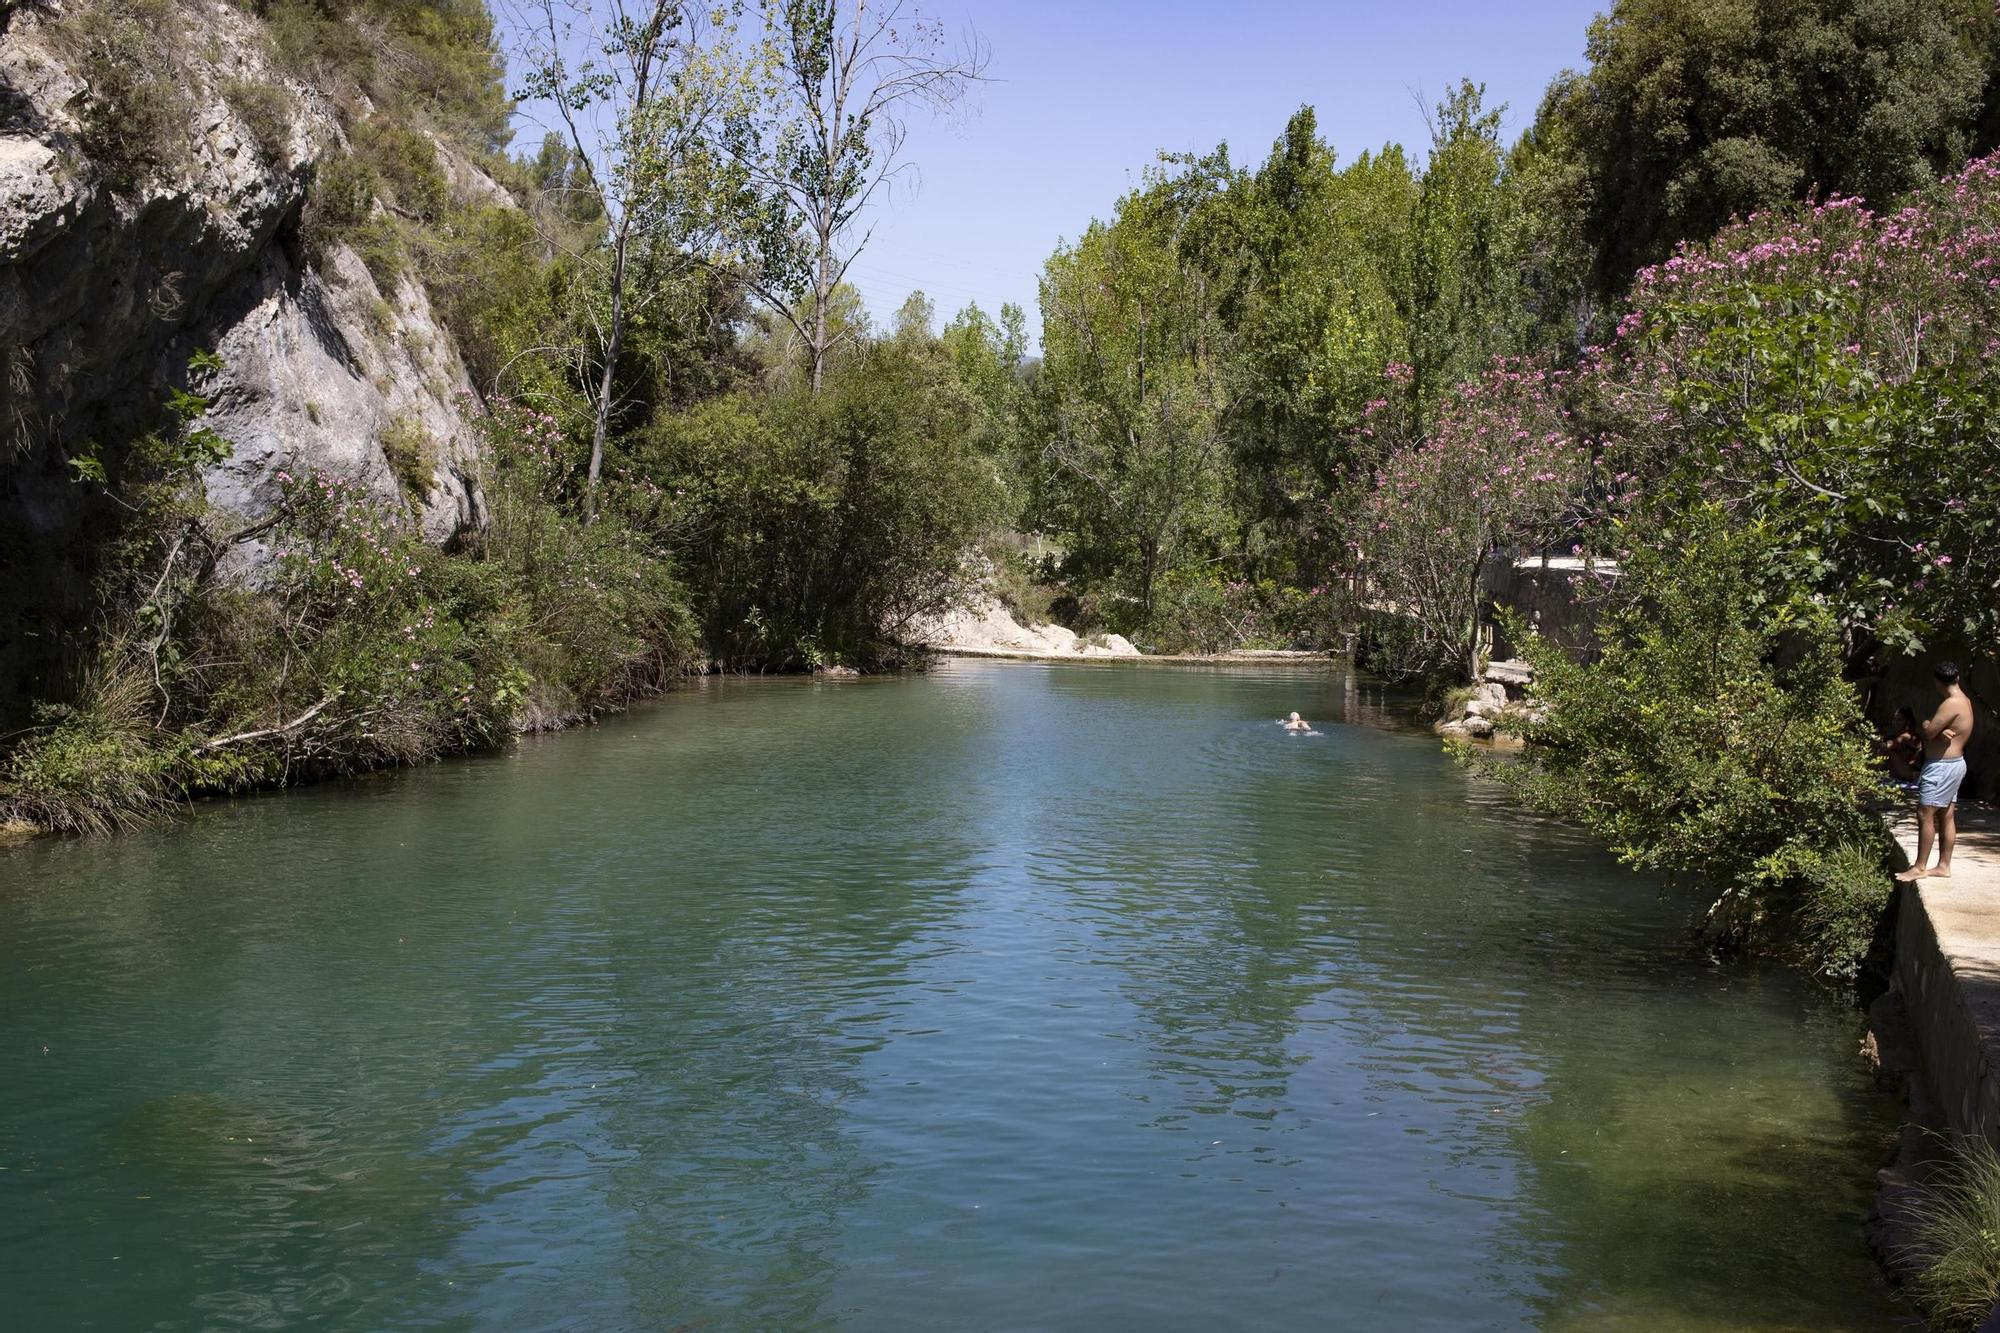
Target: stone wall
[1952,996]
[1553,595]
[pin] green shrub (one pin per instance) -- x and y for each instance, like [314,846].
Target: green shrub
[1955,1245]
[609,619]
[413,457]
[379,242]
[135,111]
[407,164]
[434,60]
[1192,613]
[266,111]
[339,202]
[483,270]
[1717,738]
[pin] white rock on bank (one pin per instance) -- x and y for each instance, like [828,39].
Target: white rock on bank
[984,625]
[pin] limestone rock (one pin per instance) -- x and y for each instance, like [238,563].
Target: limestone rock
[983,624]
[299,393]
[104,296]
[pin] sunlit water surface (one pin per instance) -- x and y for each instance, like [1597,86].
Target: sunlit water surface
[1007,997]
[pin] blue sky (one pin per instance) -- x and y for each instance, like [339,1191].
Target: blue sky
[1083,95]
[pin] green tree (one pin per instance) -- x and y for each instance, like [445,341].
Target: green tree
[1313,252]
[646,102]
[1717,738]
[1140,377]
[814,527]
[1694,111]
[986,358]
[845,75]
[1453,291]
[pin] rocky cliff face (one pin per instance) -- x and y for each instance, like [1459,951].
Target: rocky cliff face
[105,293]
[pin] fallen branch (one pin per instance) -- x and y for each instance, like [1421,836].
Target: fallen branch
[260,527]
[279,730]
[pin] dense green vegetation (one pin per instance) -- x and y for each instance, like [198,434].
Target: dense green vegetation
[1336,320]
[1716,737]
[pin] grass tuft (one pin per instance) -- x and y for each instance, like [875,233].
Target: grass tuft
[1956,1245]
[413,457]
[95,765]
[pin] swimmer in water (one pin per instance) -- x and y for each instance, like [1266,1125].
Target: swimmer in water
[1295,723]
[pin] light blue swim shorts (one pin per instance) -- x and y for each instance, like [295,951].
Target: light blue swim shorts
[1938,786]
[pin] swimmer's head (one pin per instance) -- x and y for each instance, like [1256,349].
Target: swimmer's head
[1293,718]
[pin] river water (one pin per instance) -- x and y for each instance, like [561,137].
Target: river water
[1005,997]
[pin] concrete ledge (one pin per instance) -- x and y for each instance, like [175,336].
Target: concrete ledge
[1948,969]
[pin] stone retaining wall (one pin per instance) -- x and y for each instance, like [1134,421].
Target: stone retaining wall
[1951,990]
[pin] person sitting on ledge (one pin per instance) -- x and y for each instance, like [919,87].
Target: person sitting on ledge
[1903,748]
[1295,723]
[1945,736]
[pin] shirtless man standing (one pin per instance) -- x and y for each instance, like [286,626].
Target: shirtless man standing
[1945,736]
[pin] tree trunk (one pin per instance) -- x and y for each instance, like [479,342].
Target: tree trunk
[822,294]
[612,344]
[1149,564]
[1472,630]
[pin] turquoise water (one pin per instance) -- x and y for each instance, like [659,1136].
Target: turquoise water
[1006,997]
